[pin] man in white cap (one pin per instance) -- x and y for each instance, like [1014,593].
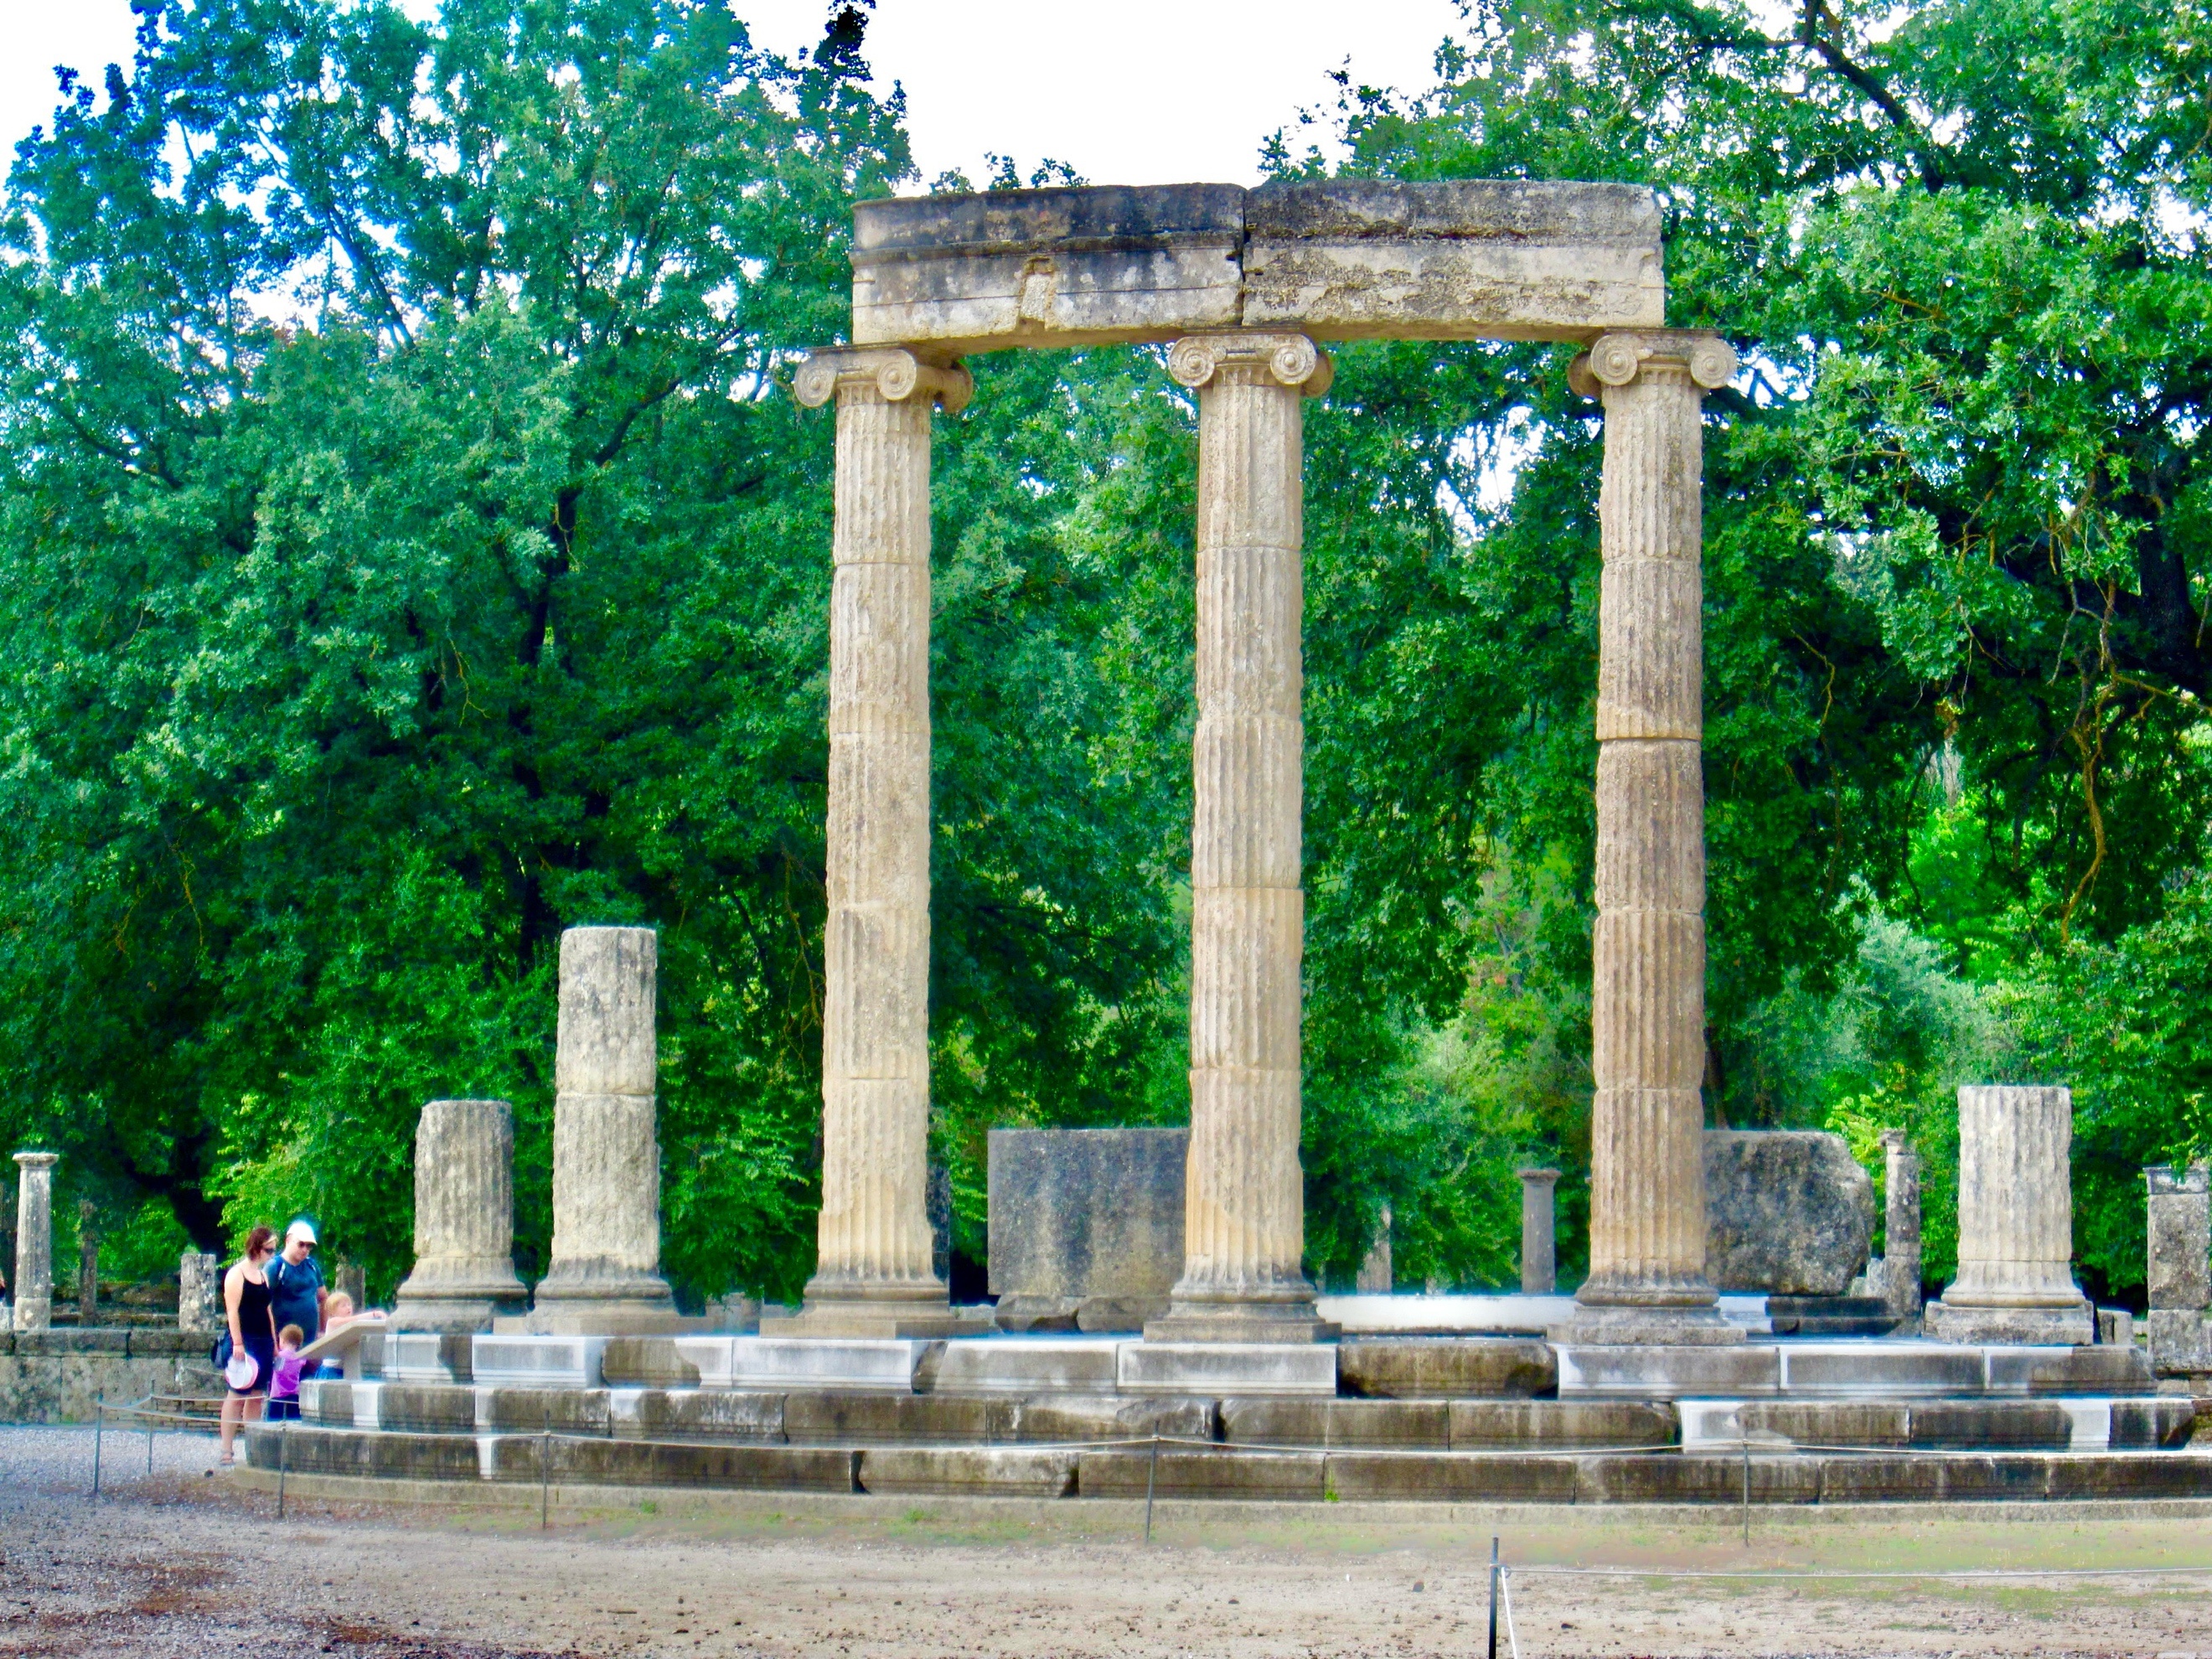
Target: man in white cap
[295,1284]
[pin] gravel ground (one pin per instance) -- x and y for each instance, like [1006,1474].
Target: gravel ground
[185,1562]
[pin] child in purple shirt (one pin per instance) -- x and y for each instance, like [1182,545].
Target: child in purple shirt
[284,1383]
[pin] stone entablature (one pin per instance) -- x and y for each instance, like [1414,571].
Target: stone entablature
[1335,259]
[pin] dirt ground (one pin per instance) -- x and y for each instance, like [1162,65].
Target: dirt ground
[185,1562]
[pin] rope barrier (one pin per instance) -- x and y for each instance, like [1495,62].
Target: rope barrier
[1747,1449]
[1961,1575]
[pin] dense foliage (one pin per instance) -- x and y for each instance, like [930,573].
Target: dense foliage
[409,550]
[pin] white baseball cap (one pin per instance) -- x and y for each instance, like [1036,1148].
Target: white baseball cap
[302,1228]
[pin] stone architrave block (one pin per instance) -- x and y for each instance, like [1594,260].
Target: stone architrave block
[1086,1225]
[1787,1212]
[1335,259]
[1347,258]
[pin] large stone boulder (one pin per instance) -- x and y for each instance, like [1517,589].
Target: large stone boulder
[1788,1211]
[1087,1226]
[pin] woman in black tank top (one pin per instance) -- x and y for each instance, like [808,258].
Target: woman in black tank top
[246,1305]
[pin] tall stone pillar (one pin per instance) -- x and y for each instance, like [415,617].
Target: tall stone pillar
[1244,1192]
[605,1275]
[1376,1276]
[88,1262]
[1647,1279]
[873,1275]
[464,1220]
[1540,1253]
[199,1290]
[35,1240]
[2015,1280]
[2180,1241]
[1901,1225]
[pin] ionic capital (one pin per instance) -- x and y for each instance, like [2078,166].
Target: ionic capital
[1618,358]
[1293,359]
[891,372]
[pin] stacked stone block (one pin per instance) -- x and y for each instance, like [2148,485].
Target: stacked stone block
[2180,1240]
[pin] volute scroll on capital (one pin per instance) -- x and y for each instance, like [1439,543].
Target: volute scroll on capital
[1617,358]
[1293,360]
[892,372]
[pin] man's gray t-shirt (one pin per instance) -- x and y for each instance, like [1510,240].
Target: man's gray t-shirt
[292,1287]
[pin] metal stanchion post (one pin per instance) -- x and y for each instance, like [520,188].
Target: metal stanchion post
[1493,1598]
[284,1442]
[99,1425]
[545,1473]
[1746,1494]
[1151,1470]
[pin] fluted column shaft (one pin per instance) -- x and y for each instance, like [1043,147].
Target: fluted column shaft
[2016,1199]
[1244,1202]
[2015,1280]
[1648,947]
[874,1273]
[35,1240]
[606,1151]
[463,1218]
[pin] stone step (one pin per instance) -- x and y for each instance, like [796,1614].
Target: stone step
[1850,1370]
[1178,1470]
[844,1417]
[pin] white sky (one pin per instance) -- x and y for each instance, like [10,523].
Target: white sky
[1125,92]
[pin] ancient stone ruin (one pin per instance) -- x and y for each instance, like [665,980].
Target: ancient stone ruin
[1191,1355]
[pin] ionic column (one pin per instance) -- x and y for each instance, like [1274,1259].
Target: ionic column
[35,1240]
[1647,1279]
[873,1274]
[1244,1192]
[1540,1256]
[2015,1280]
[605,1275]
[464,1220]
[1900,1224]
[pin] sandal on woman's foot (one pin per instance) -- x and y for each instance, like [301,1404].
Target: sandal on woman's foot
[226,1460]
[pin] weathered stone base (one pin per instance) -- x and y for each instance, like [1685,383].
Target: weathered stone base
[1094,1315]
[837,1323]
[1832,1316]
[1636,1326]
[2052,1327]
[61,1375]
[455,1313]
[2180,1342]
[608,1316]
[1244,1322]
[1155,1367]
[1444,1367]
